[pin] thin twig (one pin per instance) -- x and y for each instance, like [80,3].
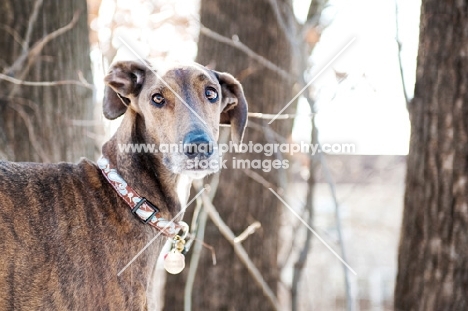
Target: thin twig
[309,206]
[314,15]
[331,184]
[313,18]
[267,116]
[247,232]
[195,259]
[38,46]
[240,251]
[205,245]
[30,104]
[311,229]
[269,185]
[239,45]
[301,261]
[32,54]
[24,43]
[292,245]
[400,63]
[84,123]
[259,179]
[45,83]
[304,252]
[31,22]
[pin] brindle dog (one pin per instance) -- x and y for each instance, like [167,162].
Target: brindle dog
[66,233]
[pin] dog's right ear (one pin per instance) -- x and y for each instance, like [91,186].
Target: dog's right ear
[124,80]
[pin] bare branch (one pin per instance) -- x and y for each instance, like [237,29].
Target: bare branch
[38,46]
[268,185]
[291,246]
[309,207]
[32,54]
[247,232]
[331,184]
[31,22]
[256,177]
[24,43]
[400,63]
[26,102]
[267,116]
[193,238]
[301,261]
[240,251]
[195,258]
[240,46]
[84,123]
[50,83]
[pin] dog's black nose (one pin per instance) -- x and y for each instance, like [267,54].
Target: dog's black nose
[197,144]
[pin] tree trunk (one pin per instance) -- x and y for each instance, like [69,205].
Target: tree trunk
[45,123]
[239,199]
[433,254]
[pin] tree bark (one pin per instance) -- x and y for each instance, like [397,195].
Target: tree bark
[240,200]
[44,123]
[433,256]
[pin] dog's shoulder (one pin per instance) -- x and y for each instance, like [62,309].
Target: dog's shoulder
[22,176]
[28,171]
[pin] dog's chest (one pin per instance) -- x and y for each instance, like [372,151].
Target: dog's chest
[183,188]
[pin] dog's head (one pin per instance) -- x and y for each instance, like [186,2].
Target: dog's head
[181,108]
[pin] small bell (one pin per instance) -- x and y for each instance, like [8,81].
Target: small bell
[174,262]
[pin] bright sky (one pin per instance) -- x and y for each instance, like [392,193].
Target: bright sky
[368,109]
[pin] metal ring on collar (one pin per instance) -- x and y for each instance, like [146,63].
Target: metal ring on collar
[185,229]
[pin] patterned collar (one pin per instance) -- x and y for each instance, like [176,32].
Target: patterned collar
[147,212]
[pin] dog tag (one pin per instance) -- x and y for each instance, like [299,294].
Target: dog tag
[174,262]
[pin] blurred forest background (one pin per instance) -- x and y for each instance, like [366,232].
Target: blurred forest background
[355,60]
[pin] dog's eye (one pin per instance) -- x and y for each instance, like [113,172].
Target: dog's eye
[158,100]
[211,94]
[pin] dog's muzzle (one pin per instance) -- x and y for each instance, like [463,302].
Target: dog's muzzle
[197,144]
[198,157]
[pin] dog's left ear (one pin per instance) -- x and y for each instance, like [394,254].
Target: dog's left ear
[234,105]
[124,80]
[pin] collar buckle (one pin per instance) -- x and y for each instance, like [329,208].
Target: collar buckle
[150,205]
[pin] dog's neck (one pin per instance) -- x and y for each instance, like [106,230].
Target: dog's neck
[145,171]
